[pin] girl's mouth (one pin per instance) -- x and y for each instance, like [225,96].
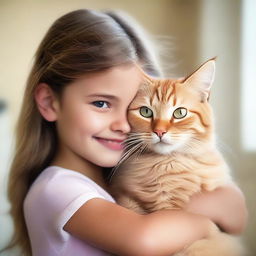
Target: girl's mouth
[113,144]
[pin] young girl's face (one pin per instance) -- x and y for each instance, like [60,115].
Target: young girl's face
[92,115]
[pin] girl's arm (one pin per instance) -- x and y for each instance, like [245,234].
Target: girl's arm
[225,206]
[121,231]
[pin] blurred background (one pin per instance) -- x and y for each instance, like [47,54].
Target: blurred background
[186,33]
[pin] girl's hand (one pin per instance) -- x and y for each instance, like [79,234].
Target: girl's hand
[225,206]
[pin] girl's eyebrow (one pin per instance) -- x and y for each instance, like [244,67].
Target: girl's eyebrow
[107,96]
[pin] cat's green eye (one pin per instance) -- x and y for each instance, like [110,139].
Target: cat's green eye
[146,112]
[179,113]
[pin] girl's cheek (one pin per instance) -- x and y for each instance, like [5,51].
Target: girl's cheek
[95,122]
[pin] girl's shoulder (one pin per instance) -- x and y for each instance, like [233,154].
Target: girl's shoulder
[56,195]
[61,190]
[57,182]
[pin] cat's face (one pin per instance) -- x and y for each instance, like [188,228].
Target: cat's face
[172,115]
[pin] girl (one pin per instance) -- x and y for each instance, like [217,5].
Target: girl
[71,128]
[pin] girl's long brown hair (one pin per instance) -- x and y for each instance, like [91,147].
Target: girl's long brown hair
[77,43]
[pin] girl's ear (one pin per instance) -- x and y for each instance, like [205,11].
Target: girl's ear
[47,102]
[202,79]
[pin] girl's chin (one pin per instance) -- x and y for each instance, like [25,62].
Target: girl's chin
[109,161]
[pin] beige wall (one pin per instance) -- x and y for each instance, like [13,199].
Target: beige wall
[221,36]
[190,32]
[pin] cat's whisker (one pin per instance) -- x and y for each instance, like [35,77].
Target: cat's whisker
[126,155]
[142,150]
[137,137]
[132,140]
[139,151]
[129,152]
[131,144]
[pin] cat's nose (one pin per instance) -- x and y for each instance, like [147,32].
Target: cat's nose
[159,133]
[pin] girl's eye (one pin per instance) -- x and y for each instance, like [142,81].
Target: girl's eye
[101,104]
[146,112]
[180,113]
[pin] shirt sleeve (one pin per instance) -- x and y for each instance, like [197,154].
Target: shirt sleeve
[63,196]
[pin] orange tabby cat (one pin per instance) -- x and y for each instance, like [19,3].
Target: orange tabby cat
[170,152]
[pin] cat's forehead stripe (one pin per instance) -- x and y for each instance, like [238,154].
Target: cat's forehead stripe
[165,90]
[173,94]
[158,93]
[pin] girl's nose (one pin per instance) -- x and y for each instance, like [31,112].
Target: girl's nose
[121,124]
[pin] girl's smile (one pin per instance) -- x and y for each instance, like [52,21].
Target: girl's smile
[113,144]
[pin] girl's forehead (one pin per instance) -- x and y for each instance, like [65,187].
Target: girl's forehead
[120,78]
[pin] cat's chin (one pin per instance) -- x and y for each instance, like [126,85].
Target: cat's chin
[164,148]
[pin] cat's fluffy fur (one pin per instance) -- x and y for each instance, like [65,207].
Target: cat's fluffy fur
[171,154]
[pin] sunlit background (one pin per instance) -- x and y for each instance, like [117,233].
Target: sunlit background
[187,33]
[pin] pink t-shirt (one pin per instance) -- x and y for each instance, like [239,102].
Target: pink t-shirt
[53,198]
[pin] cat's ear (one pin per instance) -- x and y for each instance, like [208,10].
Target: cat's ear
[202,79]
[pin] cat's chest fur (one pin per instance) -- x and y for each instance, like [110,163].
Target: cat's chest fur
[154,182]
